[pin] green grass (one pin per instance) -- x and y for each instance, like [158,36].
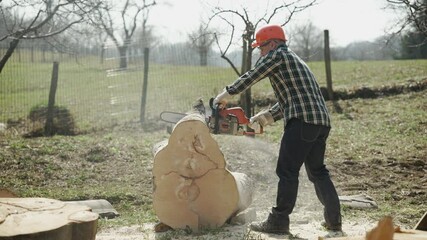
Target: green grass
[384,145]
[375,144]
[375,129]
[98,99]
[383,140]
[61,168]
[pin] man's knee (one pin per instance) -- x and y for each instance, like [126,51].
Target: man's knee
[319,174]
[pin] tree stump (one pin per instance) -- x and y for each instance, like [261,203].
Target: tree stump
[45,219]
[192,186]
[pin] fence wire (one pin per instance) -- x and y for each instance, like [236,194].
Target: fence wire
[98,92]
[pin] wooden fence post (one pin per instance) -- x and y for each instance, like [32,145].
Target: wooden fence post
[144,85]
[48,129]
[328,65]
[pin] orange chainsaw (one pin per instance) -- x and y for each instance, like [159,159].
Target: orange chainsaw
[231,121]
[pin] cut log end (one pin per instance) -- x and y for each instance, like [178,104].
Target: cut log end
[192,187]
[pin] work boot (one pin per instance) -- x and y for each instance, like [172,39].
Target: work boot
[333,231]
[273,224]
[330,227]
[335,234]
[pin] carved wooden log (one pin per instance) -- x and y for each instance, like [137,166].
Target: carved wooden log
[192,186]
[47,219]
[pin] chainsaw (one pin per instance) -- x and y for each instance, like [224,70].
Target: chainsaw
[231,121]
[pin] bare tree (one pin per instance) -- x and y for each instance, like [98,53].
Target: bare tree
[307,41]
[144,38]
[284,10]
[50,18]
[202,40]
[415,14]
[120,21]
[88,38]
[100,40]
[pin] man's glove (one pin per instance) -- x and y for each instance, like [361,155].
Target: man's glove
[261,119]
[221,99]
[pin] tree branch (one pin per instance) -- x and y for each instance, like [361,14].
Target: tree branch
[223,53]
[249,30]
[50,34]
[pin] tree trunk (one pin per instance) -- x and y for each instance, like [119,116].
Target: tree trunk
[101,57]
[32,53]
[123,57]
[246,96]
[45,219]
[9,52]
[44,54]
[192,186]
[204,57]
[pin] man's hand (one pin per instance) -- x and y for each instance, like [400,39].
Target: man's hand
[221,99]
[263,119]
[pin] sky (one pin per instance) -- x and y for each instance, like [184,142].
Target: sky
[346,20]
[351,20]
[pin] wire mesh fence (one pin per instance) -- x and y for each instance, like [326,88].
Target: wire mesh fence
[98,91]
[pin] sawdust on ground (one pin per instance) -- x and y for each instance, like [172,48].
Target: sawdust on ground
[247,155]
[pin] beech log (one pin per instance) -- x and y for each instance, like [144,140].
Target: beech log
[47,219]
[192,186]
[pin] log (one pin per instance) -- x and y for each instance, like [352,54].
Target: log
[385,230]
[47,219]
[360,201]
[100,206]
[422,223]
[192,186]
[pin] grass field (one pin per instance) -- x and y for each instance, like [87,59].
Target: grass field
[377,146]
[97,98]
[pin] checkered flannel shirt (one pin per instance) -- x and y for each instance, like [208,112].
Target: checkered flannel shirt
[294,85]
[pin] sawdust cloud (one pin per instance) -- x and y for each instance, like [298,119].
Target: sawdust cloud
[257,159]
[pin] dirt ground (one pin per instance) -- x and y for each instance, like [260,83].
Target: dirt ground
[392,182]
[248,156]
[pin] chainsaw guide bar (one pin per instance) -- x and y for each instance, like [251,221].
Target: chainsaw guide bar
[171,117]
[230,121]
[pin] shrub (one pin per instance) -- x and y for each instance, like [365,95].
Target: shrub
[63,121]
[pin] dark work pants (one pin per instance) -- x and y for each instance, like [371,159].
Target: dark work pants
[305,143]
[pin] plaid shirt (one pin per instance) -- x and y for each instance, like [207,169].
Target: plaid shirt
[294,85]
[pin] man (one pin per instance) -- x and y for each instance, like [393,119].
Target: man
[307,125]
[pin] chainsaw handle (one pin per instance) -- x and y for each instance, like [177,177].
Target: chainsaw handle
[215,114]
[261,131]
[212,105]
